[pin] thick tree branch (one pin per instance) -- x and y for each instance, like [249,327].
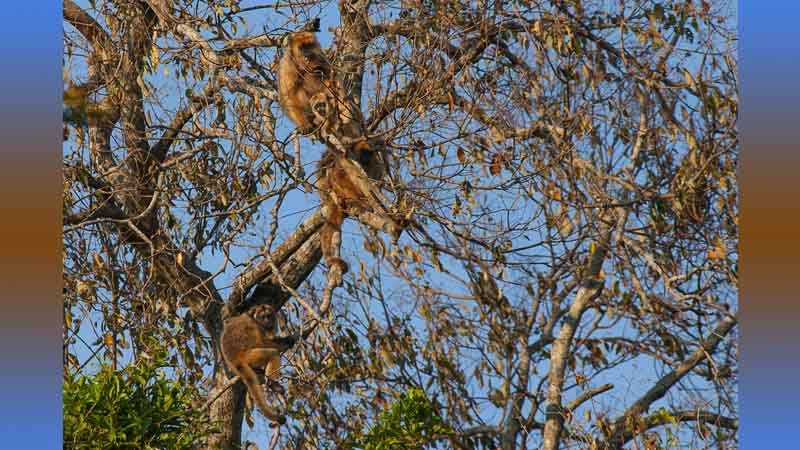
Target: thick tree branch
[293,272]
[698,416]
[258,273]
[591,286]
[632,430]
[663,385]
[263,41]
[88,27]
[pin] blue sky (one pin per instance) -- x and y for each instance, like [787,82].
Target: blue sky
[635,378]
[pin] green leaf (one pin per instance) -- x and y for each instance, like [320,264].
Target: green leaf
[135,407]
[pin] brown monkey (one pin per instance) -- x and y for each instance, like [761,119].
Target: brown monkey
[304,74]
[310,96]
[248,341]
[309,93]
[347,190]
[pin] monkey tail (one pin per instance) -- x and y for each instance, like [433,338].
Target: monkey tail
[250,380]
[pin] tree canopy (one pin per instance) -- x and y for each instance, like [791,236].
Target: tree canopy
[571,277]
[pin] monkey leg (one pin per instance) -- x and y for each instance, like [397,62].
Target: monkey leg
[272,367]
[293,105]
[368,193]
[272,372]
[257,357]
[381,222]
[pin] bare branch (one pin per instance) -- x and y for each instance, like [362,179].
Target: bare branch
[588,395]
[88,27]
[663,385]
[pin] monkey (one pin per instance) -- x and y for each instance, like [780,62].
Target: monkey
[248,341]
[304,73]
[310,95]
[265,317]
[309,92]
[347,188]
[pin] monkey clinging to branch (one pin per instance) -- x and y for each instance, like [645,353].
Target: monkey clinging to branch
[303,74]
[309,93]
[346,190]
[350,170]
[248,341]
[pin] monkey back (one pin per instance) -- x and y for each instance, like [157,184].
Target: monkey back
[242,333]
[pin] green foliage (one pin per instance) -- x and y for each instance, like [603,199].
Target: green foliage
[133,408]
[411,423]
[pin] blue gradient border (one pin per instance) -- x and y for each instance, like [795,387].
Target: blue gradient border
[30,177]
[770,231]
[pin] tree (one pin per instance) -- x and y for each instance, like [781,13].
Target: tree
[410,423]
[570,277]
[133,408]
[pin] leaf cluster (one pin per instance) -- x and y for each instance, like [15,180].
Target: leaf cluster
[411,423]
[136,407]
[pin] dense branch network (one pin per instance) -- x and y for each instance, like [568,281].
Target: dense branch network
[571,172]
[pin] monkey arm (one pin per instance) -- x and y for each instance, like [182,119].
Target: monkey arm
[380,223]
[356,174]
[317,63]
[279,344]
[272,369]
[374,214]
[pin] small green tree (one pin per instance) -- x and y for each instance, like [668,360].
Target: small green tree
[133,408]
[410,424]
